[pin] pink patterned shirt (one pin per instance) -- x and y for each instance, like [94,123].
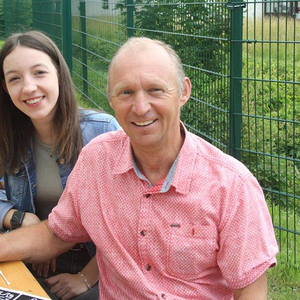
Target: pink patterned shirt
[207,233]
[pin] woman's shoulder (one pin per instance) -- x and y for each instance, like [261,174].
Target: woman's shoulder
[90,115]
[94,123]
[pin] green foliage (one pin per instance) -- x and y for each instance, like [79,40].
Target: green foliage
[271,109]
[196,31]
[103,39]
[15,15]
[283,282]
[284,279]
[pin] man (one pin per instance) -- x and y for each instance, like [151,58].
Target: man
[171,215]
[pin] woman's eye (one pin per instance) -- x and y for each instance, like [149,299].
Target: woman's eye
[13,79]
[40,72]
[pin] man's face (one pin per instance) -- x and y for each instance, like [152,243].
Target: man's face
[145,97]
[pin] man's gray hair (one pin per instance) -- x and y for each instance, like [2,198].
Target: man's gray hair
[142,42]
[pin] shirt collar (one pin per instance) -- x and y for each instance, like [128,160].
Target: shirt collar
[168,180]
[179,175]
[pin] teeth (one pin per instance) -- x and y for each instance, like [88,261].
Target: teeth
[143,123]
[36,100]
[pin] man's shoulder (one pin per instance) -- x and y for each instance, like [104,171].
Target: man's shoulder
[108,139]
[213,157]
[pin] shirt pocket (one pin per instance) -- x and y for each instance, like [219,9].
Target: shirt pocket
[192,249]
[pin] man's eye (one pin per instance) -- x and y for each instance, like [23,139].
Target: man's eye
[127,92]
[155,90]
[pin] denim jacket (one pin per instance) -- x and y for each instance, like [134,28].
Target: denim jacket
[21,186]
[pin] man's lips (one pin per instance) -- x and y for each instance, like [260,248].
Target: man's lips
[146,123]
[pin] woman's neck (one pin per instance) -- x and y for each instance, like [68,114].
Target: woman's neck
[44,132]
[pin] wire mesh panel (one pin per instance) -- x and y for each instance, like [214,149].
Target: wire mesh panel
[271,113]
[47,17]
[2,26]
[15,15]
[97,32]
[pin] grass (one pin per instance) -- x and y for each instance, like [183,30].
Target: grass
[284,279]
[284,282]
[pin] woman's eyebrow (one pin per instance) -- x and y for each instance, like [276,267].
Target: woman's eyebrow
[34,66]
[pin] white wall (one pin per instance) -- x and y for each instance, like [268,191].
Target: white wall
[254,9]
[94,8]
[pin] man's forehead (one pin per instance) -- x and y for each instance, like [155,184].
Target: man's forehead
[128,81]
[146,49]
[141,45]
[146,56]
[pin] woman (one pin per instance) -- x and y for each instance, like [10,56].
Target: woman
[42,133]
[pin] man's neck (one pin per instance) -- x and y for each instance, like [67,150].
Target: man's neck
[155,163]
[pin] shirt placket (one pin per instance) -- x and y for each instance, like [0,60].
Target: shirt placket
[145,232]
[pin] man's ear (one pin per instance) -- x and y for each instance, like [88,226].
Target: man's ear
[109,101]
[108,96]
[4,86]
[187,89]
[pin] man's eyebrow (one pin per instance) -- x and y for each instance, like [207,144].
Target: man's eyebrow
[119,86]
[34,66]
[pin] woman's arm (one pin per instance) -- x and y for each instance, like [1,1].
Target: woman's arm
[29,219]
[67,286]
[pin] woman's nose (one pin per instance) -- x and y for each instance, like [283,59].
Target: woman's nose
[29,86]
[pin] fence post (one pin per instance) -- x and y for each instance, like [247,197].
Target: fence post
[236,56]
[83,47]
[130,31]
[6,17]
[67,32]
[58,22]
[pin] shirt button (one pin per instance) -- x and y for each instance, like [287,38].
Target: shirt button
[143,232]
[148,195]
[148,267]
[164,296]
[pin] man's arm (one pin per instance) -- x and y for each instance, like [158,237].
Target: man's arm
[36,243]
[258,290]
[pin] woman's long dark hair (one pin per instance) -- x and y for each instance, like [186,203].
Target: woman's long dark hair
[16,128]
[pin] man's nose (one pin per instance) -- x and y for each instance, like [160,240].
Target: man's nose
[141,104]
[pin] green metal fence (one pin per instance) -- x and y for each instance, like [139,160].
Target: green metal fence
[243,59]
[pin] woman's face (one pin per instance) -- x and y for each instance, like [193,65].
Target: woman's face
[31,80]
